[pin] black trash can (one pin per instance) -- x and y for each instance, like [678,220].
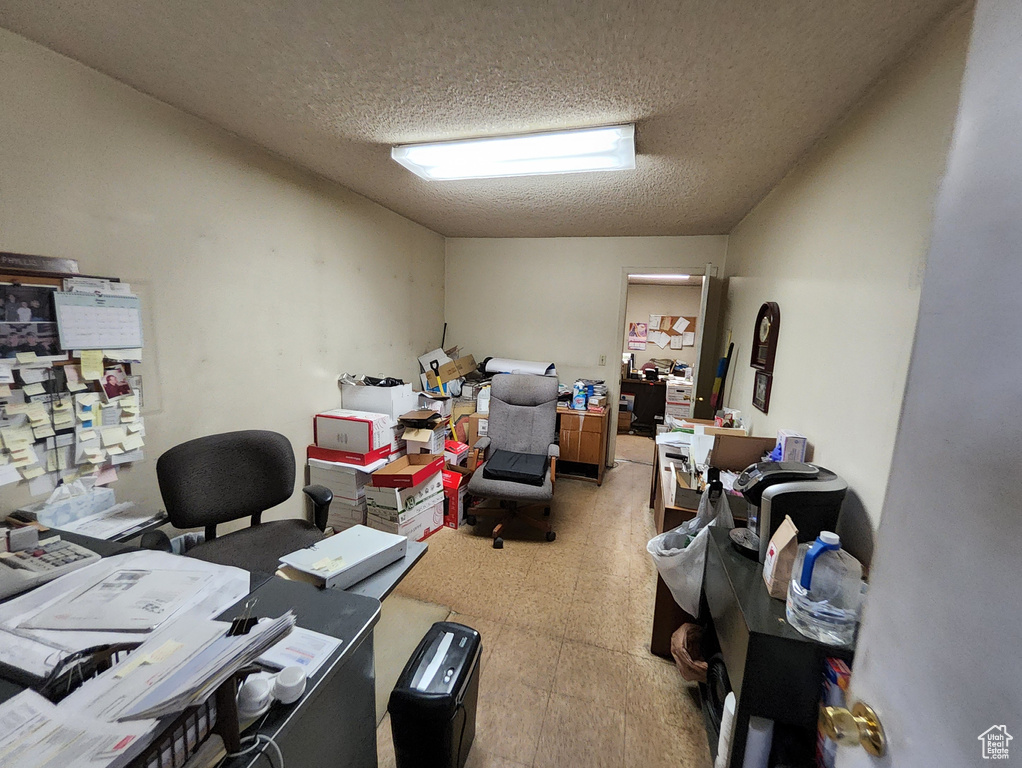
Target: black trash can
[433,705]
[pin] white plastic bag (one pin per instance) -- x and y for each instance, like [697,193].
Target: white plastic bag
[679,554]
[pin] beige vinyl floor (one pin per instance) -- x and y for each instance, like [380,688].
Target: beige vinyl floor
[567,677]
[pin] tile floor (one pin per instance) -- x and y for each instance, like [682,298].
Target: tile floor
[567,677]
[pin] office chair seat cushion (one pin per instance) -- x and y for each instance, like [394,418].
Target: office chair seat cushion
[480,485]
[528,468]
[259,547]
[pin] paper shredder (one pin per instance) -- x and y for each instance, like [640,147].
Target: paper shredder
[433,704]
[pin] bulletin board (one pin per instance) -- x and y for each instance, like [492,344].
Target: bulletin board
[65,414]
[671,331]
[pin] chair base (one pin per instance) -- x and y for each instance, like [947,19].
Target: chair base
[508,511]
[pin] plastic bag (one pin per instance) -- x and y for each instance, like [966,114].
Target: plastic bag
[679,554]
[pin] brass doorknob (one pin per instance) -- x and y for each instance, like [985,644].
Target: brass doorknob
[860,726]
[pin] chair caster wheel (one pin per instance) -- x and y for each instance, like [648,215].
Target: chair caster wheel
[551,535]
[470,520]
[498,543]
[546,511]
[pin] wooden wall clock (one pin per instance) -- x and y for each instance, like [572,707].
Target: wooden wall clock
[764,342]
[764,350]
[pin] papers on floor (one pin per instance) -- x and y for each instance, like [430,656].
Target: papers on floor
[34,732]
[181,664]
[302,648]
[38,651]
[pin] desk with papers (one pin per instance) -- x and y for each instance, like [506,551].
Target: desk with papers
[332,723]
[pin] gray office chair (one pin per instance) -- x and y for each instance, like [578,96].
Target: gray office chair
[523,419]
[218,478]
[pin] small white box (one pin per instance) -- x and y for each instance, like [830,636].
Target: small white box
[426,440]
[360,432]
[346,482]
[678,410]
[793,445]
[392,401]
[422,521]
[679,391]
[349,556]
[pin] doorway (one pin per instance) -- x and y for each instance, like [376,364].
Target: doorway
[661,334]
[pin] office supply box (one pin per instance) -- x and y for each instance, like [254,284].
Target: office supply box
[417,523]
[392,401]
[356,437]
[349,556]
[793,445]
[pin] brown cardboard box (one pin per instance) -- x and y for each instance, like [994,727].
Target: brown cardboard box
[579,438]
[455,369]
[736,452]
[477,425]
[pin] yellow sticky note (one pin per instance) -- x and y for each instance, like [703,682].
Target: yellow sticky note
[34,389]
[128,401]
[132,443]
[30,472]
[136,427]
[27,357]
[41,433]
[62,462]
[5,390]
[92,364]
[113,436]
[51,461]
[114,450]
[75,386]
[13,409]
[86,435]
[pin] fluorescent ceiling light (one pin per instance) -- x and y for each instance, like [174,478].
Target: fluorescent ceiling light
[588,149]
[659,277]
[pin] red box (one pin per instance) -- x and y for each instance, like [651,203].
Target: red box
[347,457]
[455,452]
[408,471]
[455,489]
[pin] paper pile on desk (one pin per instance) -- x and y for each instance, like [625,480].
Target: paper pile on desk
[38,651]
[34,732]
[181,664]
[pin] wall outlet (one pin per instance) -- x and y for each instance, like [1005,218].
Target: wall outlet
[603,359]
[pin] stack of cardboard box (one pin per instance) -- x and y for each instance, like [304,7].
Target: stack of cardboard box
[679,398]
[348,483]
[407,497]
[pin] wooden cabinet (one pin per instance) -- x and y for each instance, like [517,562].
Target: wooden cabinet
[582,436]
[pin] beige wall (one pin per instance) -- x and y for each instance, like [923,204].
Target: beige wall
[260,283]
[557,299]
[644,300]
[840,244]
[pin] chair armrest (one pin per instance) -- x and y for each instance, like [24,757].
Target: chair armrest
[554,451]
[483,444]
[321,497]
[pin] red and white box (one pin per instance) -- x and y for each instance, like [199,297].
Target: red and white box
[408,471]
[353,437]
[455,452]
[455,490]
[404,498]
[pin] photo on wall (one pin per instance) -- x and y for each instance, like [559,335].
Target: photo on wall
[27,303]
[40,338]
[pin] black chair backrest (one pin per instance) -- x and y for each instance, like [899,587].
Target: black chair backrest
[218,478]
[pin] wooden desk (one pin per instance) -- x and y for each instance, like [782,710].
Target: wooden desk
[582,438]
[671,507]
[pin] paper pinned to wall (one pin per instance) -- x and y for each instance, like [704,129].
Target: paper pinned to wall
[654,322]
[94,322]
[679,327]
[677,342]
[659,338]
[690,338]
[92,364]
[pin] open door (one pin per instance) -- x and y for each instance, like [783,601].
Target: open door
[708,355]
[938,653]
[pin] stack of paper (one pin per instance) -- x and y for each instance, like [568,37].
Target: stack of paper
[179,665]
[34,732]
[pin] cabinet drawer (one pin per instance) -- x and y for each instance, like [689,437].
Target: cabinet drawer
[592,424]
[589,447]
[568,442]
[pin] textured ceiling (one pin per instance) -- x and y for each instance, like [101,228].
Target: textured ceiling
[726,95]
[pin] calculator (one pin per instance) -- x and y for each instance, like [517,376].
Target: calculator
[46,561]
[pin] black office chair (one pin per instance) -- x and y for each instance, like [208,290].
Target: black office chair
[225,477]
